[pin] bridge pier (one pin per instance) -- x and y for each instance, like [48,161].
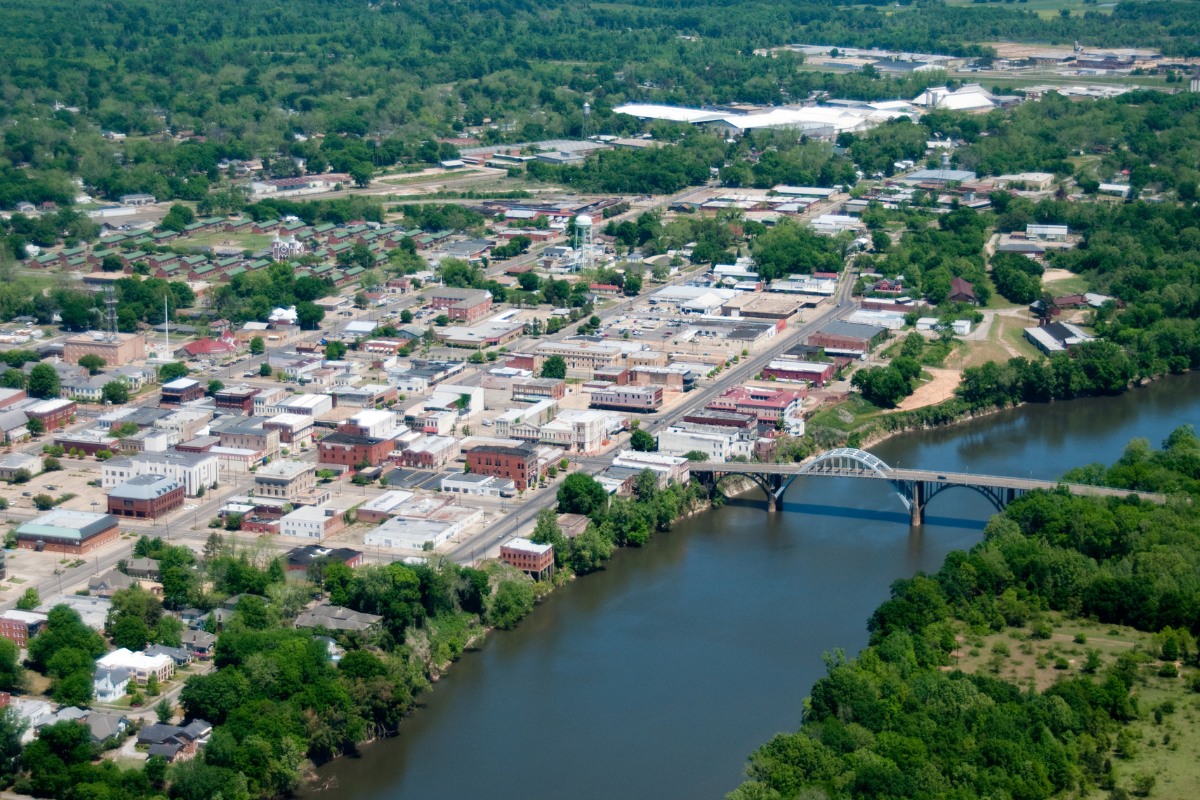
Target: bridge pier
[917,503]
[775,492]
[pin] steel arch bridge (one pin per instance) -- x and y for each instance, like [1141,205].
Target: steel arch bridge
[915,488]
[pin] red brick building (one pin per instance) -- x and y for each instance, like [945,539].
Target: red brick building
[21,626]
[54,413]
[768,405]
[347,449]
[237,398]
[66,531]
[180,391]
[518,464]
[467,305]
[815,372]
[145,497]
[535,560]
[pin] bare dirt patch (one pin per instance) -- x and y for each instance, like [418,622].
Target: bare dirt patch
[935,391]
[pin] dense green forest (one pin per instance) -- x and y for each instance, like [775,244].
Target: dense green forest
[257,79]
[899,721]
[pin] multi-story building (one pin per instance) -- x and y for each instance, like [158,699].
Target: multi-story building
[249,434]
[347,450]
[313,522]
[285,480]
[767,405]
[370,422]
[145,497]
[117,350]
[535,560]
[89,441]
[312,405]
[432,452]
[365,396]
[269,402]
[63,530]
[236,398]
[187,423]
[629,398]
[467,305]
[850,336]
[180,391]
[54,413]
[195,471]
[533,390]
[787,370]
[294,429]
[519,464]
[582,360]
[140,665]
[21,626]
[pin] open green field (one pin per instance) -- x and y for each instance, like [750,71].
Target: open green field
[848,416]
[1168,749]
[246,241]
[1075,285]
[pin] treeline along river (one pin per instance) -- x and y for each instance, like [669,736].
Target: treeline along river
[656,677]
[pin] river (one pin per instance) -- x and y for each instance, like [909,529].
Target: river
[656,677]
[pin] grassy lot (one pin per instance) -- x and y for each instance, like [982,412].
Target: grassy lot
[1004,329]
[246,241]
[848,416]
[1168,745]
[1075,285]
[439,177]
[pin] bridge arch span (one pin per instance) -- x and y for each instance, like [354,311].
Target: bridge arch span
[844,460]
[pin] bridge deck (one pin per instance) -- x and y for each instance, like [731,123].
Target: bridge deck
[953,478]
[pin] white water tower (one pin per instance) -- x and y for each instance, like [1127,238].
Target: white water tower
[583,241]
[587,119]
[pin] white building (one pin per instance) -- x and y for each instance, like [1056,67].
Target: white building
[311,522]
[384,505]
[110,684]
[139,665]
[269,402]
[194,470]
[446,397]
[409,534]
[479,485]
[377,423]
[669,467]
[312,405]
[92,610]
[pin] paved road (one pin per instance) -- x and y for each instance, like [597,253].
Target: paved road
[736,375]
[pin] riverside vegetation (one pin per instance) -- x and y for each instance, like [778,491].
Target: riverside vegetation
[276,700]
[904,719]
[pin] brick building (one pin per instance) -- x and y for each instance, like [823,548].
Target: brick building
[767,405]
[145,497]
[237,398]
[840,335]
[347,450]
[786,370]
[118,352]
[180,391]
[519,464]
[468,305]
[534,390]
[629,398]
[535,560]
[54,413]
[285,480]
[64,531]
[21,626]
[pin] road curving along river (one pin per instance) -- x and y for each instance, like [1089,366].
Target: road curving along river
[656,677]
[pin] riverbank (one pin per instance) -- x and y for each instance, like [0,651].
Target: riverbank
[726,618]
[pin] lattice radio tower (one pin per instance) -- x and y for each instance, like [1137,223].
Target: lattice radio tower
[110,301]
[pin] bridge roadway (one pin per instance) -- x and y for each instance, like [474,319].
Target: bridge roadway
[915,487]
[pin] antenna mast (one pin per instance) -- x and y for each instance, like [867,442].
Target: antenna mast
[110,301]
